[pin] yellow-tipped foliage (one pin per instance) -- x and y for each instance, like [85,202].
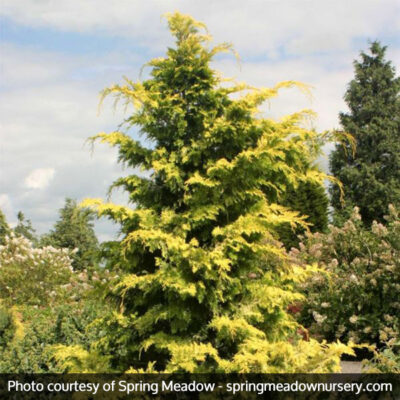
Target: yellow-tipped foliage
[204,285]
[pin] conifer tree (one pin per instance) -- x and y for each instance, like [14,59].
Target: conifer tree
[371,175]
[74,230]
[310,200]
[203,285]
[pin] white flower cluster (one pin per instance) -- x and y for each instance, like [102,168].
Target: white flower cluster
[319,319]
[32,275]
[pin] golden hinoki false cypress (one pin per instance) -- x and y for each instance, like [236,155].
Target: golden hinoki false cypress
[204,285]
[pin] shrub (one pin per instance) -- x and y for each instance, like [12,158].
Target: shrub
[32,276]
[27,335]
[386,361]
[11,328]
[356,296]
[43,302]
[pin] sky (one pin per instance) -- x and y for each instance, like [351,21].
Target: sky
[57,55]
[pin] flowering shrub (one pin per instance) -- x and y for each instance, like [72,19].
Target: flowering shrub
[43,302]
[32,276]
[356,296]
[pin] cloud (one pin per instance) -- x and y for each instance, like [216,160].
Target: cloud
[46,116]
[6,207]
[24,66]
[39,178]
[301,27]
[5,203]
[49,98]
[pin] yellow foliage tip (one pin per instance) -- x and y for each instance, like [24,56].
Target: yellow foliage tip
[19,327]
[183,25]
[93,204]
[303,87]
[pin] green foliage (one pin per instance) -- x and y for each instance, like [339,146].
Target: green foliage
[43,303]
[310,200]
[24,228]
[31,276]
[74,230]
[31,349]
[7,326]
[203,285]
[77,359]
[385,361]
[4,228]
[356,295]
[371,176]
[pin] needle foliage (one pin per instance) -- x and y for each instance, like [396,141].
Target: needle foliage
[370,175]
[203,283]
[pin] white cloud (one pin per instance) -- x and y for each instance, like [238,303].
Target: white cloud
[6,207]
[39,178]
[21,66]
[50,99]
[46,119]
[255,26]
[5,203]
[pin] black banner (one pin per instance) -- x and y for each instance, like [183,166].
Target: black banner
[196,386]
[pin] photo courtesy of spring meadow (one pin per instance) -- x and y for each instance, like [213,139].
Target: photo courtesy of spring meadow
[200,199]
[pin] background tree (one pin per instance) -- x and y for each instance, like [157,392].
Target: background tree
[4,228]
[74,230]
[24,228]
[310,200]
[371,176]
[203,285]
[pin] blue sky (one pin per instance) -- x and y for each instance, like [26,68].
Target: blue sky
[57,55]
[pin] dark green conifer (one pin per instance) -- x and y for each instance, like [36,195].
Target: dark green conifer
[74,230]
[371,176]
[311,201]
